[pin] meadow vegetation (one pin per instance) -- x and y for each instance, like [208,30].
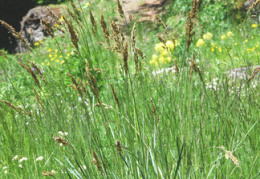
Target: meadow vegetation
[136,100]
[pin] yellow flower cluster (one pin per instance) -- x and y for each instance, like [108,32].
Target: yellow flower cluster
[164,51]
[223,37]
[54,56]
[200,43]
[254,26]
[207,36]
[37,43]
[229,34]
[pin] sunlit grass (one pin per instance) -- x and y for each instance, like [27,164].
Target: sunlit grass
[94,119]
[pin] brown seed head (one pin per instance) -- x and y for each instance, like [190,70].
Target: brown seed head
[253,74]
[125,58]
[120,9]
[92,19]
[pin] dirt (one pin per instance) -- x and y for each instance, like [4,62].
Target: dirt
[143,10]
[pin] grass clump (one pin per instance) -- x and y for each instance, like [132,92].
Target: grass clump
[96,102]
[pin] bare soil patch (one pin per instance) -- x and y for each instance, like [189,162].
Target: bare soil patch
[143,10]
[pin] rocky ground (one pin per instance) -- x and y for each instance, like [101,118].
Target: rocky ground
[143,10]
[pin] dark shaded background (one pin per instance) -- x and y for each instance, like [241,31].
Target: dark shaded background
[12,12]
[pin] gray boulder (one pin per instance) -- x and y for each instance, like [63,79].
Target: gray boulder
[255,11]
[243,73]
[32,29]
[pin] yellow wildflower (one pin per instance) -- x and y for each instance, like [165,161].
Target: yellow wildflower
[235,44]
[223,37]
[252,37]
[229,34]
[36,43]
[220,49]
[159,47]
[164,53]
[42,64]
[154,57]
[49,50]
[87,4]
[154,62]
[254,25]
[246,40]
[50,55]
[169,45]
[207,36]
[61,19]
[212,49]
[168,59]
[62,61]
[162,60]
[200,43]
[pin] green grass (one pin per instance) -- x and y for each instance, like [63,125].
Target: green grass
[167,125]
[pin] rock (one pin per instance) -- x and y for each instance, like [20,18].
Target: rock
[256,9]
[242,73]
[32,29]
[11,12]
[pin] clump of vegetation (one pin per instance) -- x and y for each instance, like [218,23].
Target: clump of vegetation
[96,101]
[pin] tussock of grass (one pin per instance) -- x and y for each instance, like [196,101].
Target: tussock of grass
[75,108]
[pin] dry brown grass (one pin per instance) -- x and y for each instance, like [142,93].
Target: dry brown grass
[31,72]
[125,57]
[73,35]
[18,109]
[96,162]
[229,155]
[191,21]
[119,147]
[120,9]
[104,27]
[255,72]
[17,35]
[115,95]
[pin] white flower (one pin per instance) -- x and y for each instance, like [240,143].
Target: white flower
[61,144]
[15,157]
[53,171]
[20,165]
[84,167]
[66,133]
[6,171]
[22,159]
[61,133]
[5,167]
[39,158]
